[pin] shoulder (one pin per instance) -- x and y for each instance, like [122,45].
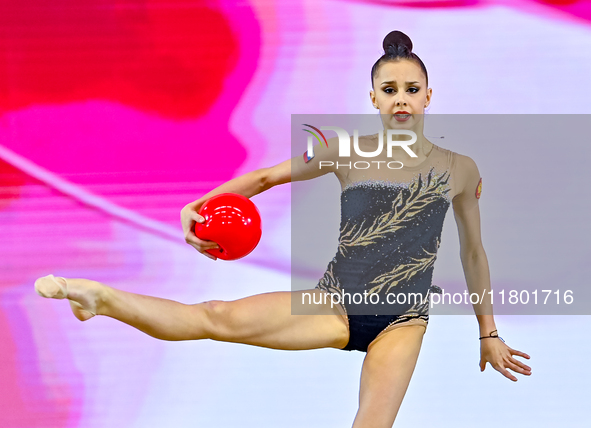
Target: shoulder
[459,164]
[467,176]
[465,165]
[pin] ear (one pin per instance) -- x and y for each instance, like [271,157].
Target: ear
[428,98]
[372,97]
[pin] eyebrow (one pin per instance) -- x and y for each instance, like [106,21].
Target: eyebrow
[392,81]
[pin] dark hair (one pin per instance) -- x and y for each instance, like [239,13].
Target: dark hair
[397,45]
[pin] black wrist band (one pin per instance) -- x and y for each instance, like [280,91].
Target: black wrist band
[491,335]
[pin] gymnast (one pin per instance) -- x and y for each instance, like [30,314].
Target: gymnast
[391,222]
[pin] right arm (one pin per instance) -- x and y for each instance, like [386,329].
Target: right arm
[258,181]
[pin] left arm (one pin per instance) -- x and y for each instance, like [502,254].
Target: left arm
[476,270]
[472,255]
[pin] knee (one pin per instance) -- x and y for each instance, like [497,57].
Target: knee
[342,334]
[217,318]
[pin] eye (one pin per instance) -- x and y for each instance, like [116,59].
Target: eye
[413,89]
[386,90]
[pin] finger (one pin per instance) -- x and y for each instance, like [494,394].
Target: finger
[208,246]
[197,247]
[520,364]
[505,372]
[521,354]
[200,244]
[518,369]
[482,364]
[201,248]
[206,254]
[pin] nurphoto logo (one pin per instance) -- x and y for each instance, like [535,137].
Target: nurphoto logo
[345,147]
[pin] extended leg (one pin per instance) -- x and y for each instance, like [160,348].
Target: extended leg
[261,320]
[387,369]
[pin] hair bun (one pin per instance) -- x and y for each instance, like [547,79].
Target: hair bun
[396,42]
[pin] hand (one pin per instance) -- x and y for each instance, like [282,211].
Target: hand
[189,217]
[500,357]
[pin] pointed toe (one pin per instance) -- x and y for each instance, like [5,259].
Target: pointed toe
[49,286]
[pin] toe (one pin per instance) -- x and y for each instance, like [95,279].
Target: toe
[49,286]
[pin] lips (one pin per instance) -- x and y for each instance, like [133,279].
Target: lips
[402,115]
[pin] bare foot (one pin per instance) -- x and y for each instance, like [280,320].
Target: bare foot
[85,296]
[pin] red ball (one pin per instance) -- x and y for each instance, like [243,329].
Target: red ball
[232,221]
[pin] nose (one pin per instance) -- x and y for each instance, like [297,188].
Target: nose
[400,102]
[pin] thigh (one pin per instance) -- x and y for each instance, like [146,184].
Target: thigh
[386,373]
[279,320]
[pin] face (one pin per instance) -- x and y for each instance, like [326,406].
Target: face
[400,86]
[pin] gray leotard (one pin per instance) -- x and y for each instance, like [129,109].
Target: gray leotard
[391,224]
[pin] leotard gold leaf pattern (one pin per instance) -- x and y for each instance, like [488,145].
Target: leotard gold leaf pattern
[329,282]
[403,209]
[403,272]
